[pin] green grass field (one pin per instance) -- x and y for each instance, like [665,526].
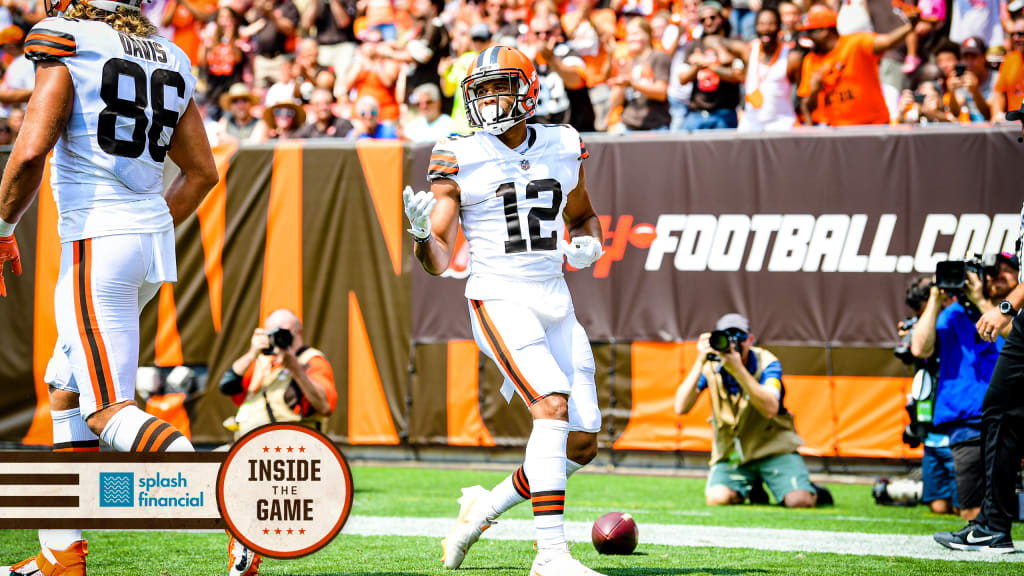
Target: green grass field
[423,493]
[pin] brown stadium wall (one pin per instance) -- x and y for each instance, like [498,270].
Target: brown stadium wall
[812,235]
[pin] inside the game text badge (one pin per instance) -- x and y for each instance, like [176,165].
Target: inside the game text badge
[285,505]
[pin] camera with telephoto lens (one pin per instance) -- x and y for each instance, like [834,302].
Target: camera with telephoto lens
[951,275]
[281,338]
[723,340]
[902,350]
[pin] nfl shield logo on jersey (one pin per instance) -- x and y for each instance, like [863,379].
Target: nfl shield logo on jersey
[524,164]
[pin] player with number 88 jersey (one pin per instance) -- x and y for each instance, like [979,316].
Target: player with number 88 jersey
[130,92]
[113,101]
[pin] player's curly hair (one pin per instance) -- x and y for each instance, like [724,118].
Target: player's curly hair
[131,22]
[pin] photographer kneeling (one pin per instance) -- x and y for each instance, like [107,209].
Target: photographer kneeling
[755,440]
[946,328]
[280,379]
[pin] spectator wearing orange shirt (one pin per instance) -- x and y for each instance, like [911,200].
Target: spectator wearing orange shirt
[374,75]
[221,58]
[839,84]
[1010,85]
[187,18]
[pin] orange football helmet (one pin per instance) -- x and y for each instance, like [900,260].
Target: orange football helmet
[500,63]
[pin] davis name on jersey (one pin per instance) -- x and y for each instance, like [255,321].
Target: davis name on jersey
[130,92]
[512,201]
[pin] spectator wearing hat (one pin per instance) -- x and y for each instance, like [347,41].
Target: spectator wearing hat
[453,72]
[1009,88]
[711,70]
[222,57]
[325,124]
[1001,277]
[640,86]
[20,76]
[366,121]
[755,440]
[839,83]
[186,18]
[973,90]
[282,120]
[563,97]
[430,125]
[237,120]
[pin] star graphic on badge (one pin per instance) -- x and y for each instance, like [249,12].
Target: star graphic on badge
[290,531]
[302,448]
[266,448]
[266,531]
[289,448]
[277,448]
[302,531]
[277,531]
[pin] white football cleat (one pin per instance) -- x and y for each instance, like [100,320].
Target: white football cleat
[471,524]
[559,563]
[244,562]
[24,568]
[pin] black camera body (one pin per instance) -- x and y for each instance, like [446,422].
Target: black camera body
[722,340]
[281,338]
[902,350]
[951,275]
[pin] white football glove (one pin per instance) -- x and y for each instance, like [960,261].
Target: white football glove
[418,206]
[582,251]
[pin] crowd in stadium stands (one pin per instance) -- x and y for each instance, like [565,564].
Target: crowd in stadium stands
[280,69]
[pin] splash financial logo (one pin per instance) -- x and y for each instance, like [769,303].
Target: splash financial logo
[116,489]
[159,491]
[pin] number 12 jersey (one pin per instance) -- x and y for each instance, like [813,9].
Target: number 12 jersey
[511,201]
[130,92]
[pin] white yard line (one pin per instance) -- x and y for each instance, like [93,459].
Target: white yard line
[855,543]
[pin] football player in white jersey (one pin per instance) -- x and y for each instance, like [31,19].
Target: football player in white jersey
[112,100]
[516,189]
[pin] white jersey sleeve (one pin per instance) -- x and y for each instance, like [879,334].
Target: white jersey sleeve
[129,93]
[511,201]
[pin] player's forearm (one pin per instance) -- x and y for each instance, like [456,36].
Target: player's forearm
[589,225]
[434,255]
[20,184]
[185,194]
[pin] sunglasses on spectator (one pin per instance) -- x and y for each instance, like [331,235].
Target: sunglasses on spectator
[1017,34]
[237,100]
[542,33]
[424,101]
[711,18]
[284,113]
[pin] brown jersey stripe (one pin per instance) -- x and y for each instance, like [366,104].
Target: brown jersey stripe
[503,354]
[161,431]
[48,50]
[520,483]
[168,441]
[77,446]
[144,433]
[158,438]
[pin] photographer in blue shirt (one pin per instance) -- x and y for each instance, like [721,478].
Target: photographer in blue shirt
[947,328]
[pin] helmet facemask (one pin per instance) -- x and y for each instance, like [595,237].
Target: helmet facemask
[485,111]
